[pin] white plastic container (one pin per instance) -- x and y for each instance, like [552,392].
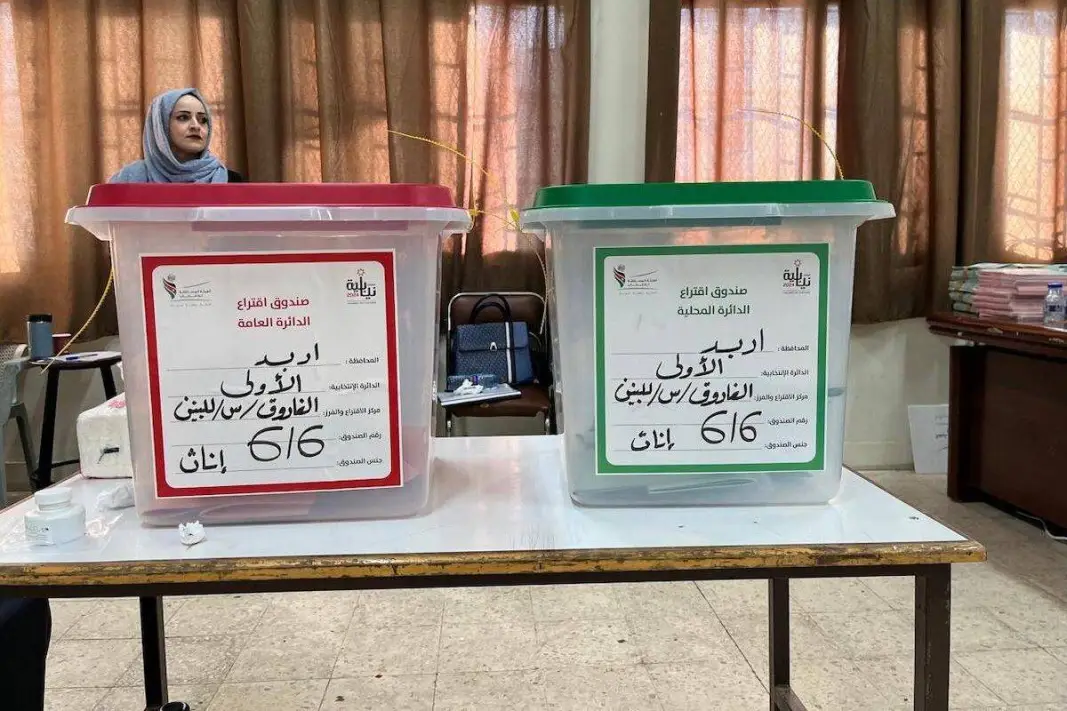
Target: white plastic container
[55,520]
[700,337]
[279,345]
[104,441]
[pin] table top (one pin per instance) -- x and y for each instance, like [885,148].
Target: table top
[1008,335]
[79,361]
[499,506]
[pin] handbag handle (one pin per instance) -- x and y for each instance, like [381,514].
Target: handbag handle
[491,301]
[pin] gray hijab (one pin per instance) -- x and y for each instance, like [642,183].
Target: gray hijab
[159,164]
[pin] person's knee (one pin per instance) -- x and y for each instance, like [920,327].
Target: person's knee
[25,613]
[25,631]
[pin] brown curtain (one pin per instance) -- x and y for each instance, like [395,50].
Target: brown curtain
[302,92]
[751,74]
[900,127]
[956,110]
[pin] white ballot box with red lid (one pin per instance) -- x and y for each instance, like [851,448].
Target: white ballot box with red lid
[278,344]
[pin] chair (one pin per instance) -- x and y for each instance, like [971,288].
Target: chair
[536,398]
[13,360]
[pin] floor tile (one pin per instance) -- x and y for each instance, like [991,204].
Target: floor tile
[131,698]
[400,607]
[733,596]
[897,591]
[89,663]
[287,655]
[486,605]
[682,639]
[303,695]
[1029,676]
[66,612]
[589,642]
[750,633]
[835,685]
[388,650]
[326,612]
[656,599]
[868,634]
[481,648]
[708,685]
[1050,582]
[217,616]
[581,688]
[976,629]
[835,595]
[894,677]
[68,699]
[985,585]
[574,602]
[1059,653]
[315,598]
[509,690]
[192,660]
[1040,619]
[109,619]
[380,692]
[1020,554]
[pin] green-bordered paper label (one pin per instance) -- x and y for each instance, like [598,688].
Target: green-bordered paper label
[711,358]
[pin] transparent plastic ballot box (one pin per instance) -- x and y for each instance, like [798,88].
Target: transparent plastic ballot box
[700,337]
[278,345]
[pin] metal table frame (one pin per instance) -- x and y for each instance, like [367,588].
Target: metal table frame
[932,600]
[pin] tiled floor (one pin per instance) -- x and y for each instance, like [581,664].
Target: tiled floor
[629,647]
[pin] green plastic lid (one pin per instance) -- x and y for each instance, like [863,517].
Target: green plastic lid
[741,193]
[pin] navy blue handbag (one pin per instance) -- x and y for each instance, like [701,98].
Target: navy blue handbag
[501,348]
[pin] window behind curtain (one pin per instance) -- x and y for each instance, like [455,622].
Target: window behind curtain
[742,66]
[1032,131]
[770,55]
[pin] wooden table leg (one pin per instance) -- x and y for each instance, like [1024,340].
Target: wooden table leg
[933,602]
[107,379]
[782,696]
[965,389]
[154,653]
[43,476]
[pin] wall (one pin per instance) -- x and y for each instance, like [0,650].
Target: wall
[617,92]
[891,366]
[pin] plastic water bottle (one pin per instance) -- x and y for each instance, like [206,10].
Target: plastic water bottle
[1055,306]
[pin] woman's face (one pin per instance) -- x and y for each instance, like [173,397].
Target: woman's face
[188,128]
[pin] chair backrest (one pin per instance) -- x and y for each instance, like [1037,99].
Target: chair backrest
[525,306]
[13,359]
[12,351]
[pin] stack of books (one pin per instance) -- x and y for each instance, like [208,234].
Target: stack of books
[1011,292]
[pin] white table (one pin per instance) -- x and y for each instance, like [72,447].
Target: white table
[501,515]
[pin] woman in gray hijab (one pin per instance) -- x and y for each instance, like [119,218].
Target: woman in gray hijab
[177,133]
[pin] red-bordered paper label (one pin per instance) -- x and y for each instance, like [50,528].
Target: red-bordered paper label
[272,372]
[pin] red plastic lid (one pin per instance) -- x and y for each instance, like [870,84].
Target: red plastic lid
[269,194]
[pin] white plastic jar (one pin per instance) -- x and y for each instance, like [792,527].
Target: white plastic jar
[56,520]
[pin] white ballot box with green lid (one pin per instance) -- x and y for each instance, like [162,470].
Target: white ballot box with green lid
[278,345]
[700,337]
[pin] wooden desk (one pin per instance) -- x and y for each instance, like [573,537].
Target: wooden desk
[1007,401]
[501,516]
